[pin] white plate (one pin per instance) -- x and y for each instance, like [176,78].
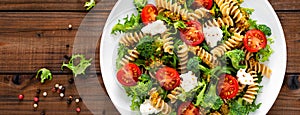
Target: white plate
[264,13]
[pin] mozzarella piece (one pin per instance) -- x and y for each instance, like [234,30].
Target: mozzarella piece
[154,28]
[244,77]
[146,108]
[212,35]
[188,82]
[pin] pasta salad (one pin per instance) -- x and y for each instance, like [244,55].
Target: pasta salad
[192,57]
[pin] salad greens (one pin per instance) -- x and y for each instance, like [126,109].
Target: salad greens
[89,5]
[44,74]
[139,92]
[80,67]
[236,56]
[239,107]
[130,24]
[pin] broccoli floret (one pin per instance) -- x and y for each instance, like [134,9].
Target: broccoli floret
[236,56]
[195,66]
[210,99]
[146,47]
[265,29]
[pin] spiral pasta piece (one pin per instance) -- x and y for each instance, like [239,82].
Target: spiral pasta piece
[230,8]
[174,93]
[225,21]
[207,58]
[168,43]
[131,38]
[252,90]
[198,14]
[258,67]
[157,102]
[164,4]
[228,45]
[248,54]
[182,54]
[131,56]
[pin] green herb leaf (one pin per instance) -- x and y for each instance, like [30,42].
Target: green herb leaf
[139,92]
[44,74]
[130,24]
[265,29]
[248,10]
[79,68]
[236,56]
[264,54]
[238,107]
[140,4]
[89,5]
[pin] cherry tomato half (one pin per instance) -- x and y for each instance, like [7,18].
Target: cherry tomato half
[149,13]
[187,108]
[129,74]
[227,86]
[168,78]
[255,40]
[193,33]
[203,3]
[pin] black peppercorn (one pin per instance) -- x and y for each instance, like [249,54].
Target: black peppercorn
[71,80]
[38,91]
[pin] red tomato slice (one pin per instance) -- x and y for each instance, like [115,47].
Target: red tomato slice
[193,33]
[255,40]
[227,86]
[149,13]
[168,78]
[187,108]
[203,3]
[129,74]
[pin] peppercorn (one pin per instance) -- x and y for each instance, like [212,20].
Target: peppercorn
[36,99]
[45,94]
[62,95]
[56,85]
[53,89]
[71,80]
[78,109]
[21,97]
[38,91]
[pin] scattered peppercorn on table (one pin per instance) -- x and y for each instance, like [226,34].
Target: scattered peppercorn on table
[40,34]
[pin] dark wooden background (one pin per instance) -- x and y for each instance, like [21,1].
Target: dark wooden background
[35,34]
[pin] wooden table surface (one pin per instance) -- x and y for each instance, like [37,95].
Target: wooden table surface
[34,34]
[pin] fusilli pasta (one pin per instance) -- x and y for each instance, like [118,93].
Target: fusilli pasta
[207,58]
[182,54]
[228,45]
[174,93]
[158,103]
[252,90]
[258,67]
[131,56]
[131,38]
[168,43]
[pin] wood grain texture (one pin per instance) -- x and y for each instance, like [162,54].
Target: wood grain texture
[52,5]
[35,34]
[77,5]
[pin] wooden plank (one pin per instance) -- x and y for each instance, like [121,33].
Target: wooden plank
[42,39]
[77,5]
[52,104]
[285,4]
[39,40]
[53,5]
